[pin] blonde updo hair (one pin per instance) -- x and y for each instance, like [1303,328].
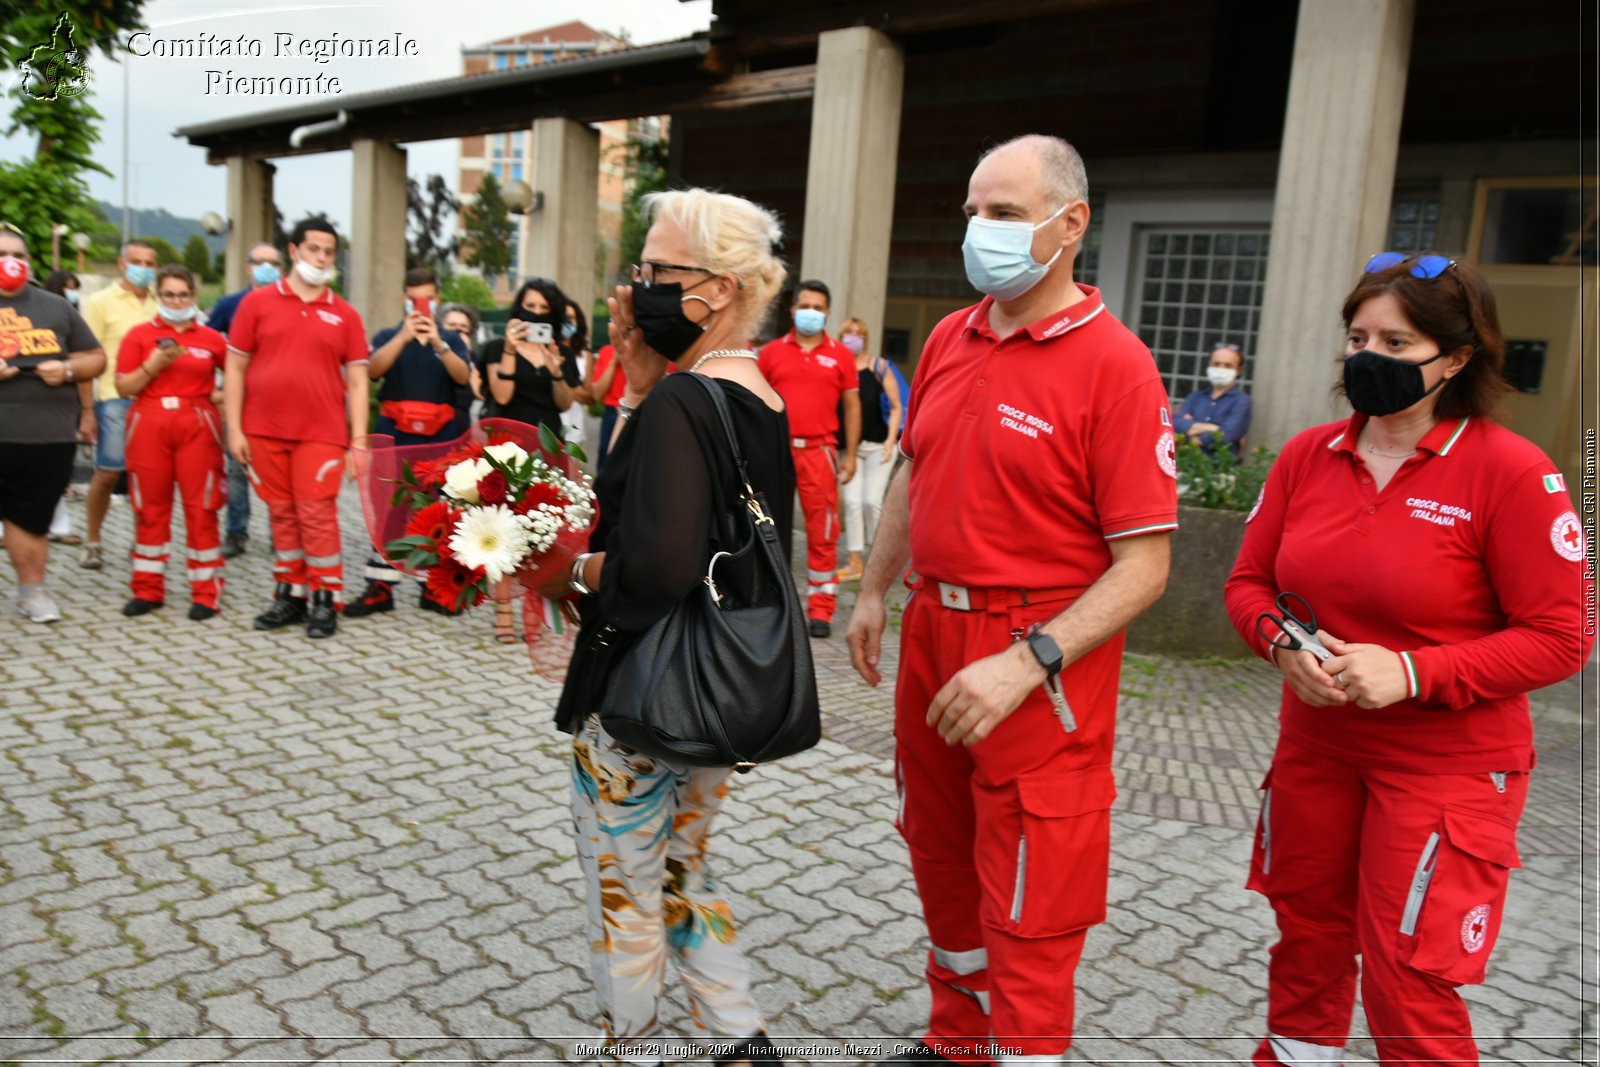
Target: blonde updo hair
[729,235]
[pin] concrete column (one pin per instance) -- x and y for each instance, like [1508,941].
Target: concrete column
[855,138]
[1341,135]
[561,234]
[377,261]
[249,214]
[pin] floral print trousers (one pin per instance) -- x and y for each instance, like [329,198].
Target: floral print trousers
[641,826]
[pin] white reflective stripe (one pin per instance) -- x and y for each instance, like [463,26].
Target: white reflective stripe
[289,555]
[969,962]
[815,577]
[380,574]
[211,483]
[332,464]
[1022,879]
[205,554]
[149,550]
[979,995]
[1295,1053]
[825,587]
[297,590]
[133,491]
[204,568]
[250,472]
[324,561]
[149,566]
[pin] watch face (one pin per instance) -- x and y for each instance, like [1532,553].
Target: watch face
[1046,651]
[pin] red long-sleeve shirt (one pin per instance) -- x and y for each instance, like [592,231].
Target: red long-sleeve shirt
[1470,563]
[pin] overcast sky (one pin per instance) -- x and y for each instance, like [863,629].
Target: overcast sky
[166,93]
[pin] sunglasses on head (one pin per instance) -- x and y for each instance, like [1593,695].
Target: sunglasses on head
[1421,266]
[1226,344]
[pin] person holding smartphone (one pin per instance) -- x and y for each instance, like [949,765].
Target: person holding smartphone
[530,376]
[168,368]
[422,367]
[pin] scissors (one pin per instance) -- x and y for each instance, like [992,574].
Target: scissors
[1292,629]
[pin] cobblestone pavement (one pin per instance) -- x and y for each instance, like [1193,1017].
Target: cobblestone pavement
[223,845]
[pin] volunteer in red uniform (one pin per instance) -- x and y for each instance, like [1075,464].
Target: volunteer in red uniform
[296,392]
[169,366]
[1444,553]
[1036,499]
[812,372]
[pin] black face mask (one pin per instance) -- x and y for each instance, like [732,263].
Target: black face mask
[658,310]
[1376,384]
[549,318]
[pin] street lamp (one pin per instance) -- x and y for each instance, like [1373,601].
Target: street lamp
[57,229]
[213,223]
[81,242]
[520,199]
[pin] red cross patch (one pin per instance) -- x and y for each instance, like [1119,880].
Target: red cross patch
[1566,536]
[1475,928]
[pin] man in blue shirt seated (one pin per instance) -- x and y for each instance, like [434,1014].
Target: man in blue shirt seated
[1224,408]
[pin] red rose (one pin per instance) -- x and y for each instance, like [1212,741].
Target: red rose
[492,488]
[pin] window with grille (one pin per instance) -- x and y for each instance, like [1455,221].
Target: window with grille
[1413,222]
[1196,286]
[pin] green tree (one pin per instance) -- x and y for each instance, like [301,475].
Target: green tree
[645,165]
[51,44]
[165,253]
[197,257]
[486,230]
[429,242]
[467,289]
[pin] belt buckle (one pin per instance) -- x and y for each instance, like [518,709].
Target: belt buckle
[171,403]
[955,597]
[797,442]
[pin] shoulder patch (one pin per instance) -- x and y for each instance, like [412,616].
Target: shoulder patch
[1555,483]
[1167,453]
[1566,536]
[1257,507]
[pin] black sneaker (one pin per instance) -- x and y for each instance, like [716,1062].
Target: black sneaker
[427,603]
[200,612]
[921,1053]
[141,607]
[820,628]
[376,597]
[321,619]
[233,545]
[286,610]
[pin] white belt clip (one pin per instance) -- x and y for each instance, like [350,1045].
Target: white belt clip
[798,442]
[171,403]
[954,597]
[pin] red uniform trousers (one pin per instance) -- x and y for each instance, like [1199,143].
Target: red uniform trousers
[1407,870]
[816,477]
[1009,838]
[299,481]
[176,443]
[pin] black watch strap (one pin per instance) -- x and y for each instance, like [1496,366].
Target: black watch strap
[1046,651]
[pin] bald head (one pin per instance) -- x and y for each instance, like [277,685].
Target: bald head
[1051,161]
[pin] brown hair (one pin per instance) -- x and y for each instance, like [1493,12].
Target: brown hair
[421,276]
[1455,310]
[179,271]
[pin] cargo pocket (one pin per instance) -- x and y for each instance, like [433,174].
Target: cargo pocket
[1261,852]
[1062,853]
[1457,895]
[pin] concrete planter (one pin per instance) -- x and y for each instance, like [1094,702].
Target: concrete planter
[1189,619]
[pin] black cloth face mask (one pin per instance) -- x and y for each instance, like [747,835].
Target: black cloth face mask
[658,311]
[1376,384]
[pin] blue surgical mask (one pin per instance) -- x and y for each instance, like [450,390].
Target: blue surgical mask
[265,273]
[809,321]
[183,314]
[139,277]
[999,256]
[72,296]
[569,330]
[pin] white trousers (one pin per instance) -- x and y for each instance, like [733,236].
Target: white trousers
[863,495]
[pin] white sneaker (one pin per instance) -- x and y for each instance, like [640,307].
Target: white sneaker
[39,606]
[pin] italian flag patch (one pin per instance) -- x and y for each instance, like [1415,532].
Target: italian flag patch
[1555,483]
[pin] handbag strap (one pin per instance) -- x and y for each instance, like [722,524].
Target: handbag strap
[720,401]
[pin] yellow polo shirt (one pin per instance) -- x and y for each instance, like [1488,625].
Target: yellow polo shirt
[111,313]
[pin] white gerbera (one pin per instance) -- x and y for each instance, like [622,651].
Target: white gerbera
[506,452]
[461,480]
[494,538]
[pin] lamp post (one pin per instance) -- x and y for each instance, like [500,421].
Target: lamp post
[79,241]
[57,230]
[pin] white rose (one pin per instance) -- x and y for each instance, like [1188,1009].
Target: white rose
[461,480]
[507,453]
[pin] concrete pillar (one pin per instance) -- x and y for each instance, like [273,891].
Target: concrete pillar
[249,211]
[1341,135]
[377,261]
[561,234]
[855,137]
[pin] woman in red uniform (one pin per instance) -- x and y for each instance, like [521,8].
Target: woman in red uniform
[169,366]
[1443,560]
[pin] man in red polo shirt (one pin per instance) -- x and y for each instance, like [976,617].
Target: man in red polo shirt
[812,372]
[1036,498]
[295,392]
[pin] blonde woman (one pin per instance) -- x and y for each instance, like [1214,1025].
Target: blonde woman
[882,407]
[707,275]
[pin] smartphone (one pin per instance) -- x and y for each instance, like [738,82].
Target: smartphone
[167,344]
[422,306]
[539,333]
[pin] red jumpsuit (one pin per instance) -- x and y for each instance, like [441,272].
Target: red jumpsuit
[174,441]
[1021,476]
[1391,833]
[295,417]
[812,384]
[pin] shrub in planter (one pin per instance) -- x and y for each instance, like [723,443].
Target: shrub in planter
[1215,493]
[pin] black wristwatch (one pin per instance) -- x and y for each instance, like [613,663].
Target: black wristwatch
[1046,651]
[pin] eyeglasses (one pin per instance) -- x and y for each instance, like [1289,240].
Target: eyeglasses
[1421,266]
[169,294]
[645,273]
[1230,345]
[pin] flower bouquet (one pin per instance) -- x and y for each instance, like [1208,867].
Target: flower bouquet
[504,501]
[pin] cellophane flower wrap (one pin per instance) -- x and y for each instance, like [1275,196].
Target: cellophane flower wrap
[504,501]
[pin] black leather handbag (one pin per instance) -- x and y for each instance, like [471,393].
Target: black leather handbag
[725,679]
